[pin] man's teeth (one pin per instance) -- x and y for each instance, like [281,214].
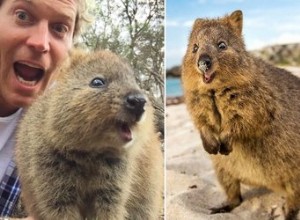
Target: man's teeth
[28,83]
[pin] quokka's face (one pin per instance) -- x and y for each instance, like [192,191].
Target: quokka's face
[103,101]
[214,51]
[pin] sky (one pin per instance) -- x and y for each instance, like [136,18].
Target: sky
[266,22]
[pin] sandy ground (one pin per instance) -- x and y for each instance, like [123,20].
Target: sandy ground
[192,188]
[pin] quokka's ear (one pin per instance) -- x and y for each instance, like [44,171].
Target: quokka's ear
[77,54]
[75,57]
[236,21]
[196,27]
[198,22]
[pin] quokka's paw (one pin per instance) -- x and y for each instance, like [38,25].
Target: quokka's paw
[225,148]
[227,207]
[222,209]
[214,146]
[214,143]
[211,144]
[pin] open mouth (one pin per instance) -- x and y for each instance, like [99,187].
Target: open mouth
[125,131]
[28,74]
[207,78]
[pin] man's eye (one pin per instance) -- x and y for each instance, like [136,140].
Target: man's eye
[23,16]
[60,29]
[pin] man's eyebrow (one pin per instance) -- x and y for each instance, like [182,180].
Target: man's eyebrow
[29,1]
[65,16]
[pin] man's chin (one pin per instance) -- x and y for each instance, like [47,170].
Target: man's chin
[23,101]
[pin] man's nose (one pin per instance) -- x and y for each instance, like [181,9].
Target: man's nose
[39,38]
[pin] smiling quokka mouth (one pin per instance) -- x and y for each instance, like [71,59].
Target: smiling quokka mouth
[28,74]
[134,104]
[207,78]
[124,131]
[205,66]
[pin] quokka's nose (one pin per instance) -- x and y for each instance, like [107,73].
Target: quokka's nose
[135,103]
[204,62]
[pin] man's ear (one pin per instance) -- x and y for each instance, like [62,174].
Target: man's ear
[236,21]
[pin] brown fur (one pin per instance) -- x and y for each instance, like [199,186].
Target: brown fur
[72,160]
[247,112]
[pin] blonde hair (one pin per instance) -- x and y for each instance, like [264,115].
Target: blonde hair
[82,16]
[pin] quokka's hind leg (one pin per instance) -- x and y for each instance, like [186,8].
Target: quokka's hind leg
[232,190]
[293,206]
[292,215]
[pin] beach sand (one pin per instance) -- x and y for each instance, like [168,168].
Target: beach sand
[191,185]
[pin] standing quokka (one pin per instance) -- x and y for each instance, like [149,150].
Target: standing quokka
[87,148]
[247,112]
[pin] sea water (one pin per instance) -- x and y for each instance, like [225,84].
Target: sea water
[173,86]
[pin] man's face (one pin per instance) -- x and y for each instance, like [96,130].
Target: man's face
[36,36]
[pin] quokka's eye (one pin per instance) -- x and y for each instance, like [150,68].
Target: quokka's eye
[97,82]
[195,48]
[222,45]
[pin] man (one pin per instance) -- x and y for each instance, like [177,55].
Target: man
[36,36]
